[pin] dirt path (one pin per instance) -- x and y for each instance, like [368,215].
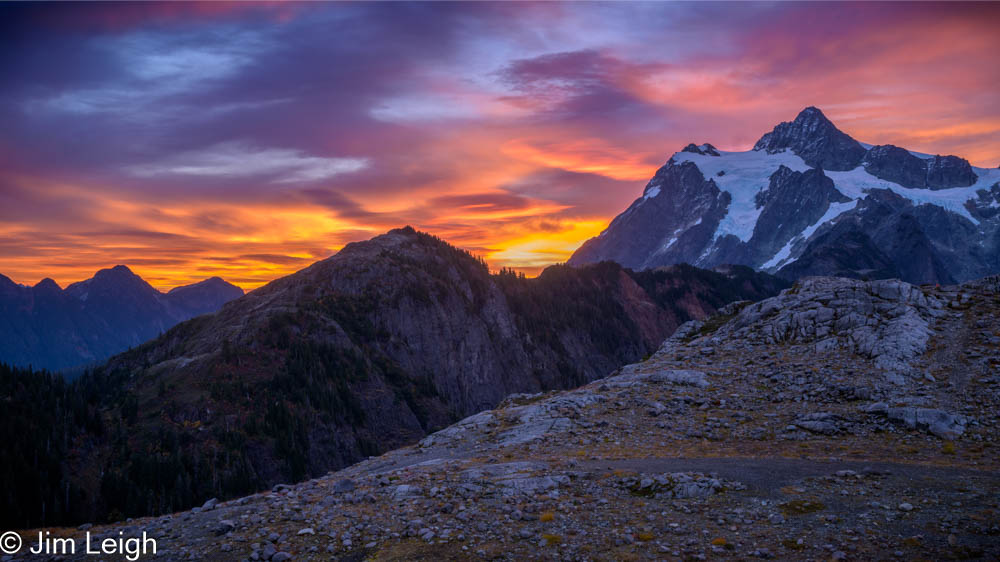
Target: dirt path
[765,476]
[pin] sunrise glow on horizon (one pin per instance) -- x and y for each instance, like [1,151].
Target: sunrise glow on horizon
[247,141]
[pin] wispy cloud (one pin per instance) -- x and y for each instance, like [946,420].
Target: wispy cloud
[238,160]
[247,139]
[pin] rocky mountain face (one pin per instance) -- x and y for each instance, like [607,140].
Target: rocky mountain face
[814,139]
[900,166]
[784,207]
[839,420]
[791,203]
[52,328]
[687,206]
[357,354]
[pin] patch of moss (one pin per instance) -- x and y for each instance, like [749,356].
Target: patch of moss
[643,492]
[791,544]
[552,539]
[801,507]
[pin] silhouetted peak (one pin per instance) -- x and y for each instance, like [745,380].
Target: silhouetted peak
[214,283]
[47,285]
[116,272]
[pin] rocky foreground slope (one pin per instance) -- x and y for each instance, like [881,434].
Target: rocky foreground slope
[840,420]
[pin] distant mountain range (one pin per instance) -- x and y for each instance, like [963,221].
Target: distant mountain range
[811,200]
[52,328]
[367,350]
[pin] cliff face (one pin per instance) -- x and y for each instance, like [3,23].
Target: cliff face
[816,140]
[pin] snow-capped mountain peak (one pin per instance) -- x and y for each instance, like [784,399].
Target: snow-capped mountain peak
[809,199]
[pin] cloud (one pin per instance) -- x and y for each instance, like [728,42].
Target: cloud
[586,84]
[275,258]
[245,140]
[238,160]
[125,16]
[589,155]
[155,70]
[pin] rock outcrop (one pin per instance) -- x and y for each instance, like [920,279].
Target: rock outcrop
[704,149]
[900,166]
[816,140]
[986,205]
[944,172]
[791,203]
[895,164]
[670,224]
[887,321]
[934,421]
[842,251]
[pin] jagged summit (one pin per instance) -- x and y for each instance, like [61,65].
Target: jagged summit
[705,148]
[816,140]
[931,219]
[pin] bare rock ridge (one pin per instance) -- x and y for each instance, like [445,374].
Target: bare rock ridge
[886,321]
[816,140]
[701,149]
[900,166]
[357,354]
[687,206]
[810,200]
[841,419]
[792,202]
[52,328]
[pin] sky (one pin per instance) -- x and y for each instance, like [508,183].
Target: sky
[247,141]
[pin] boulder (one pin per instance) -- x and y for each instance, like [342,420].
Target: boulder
[934,421]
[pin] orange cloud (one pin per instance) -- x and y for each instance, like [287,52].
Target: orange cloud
[515,141]
[591,156]
[532,252]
